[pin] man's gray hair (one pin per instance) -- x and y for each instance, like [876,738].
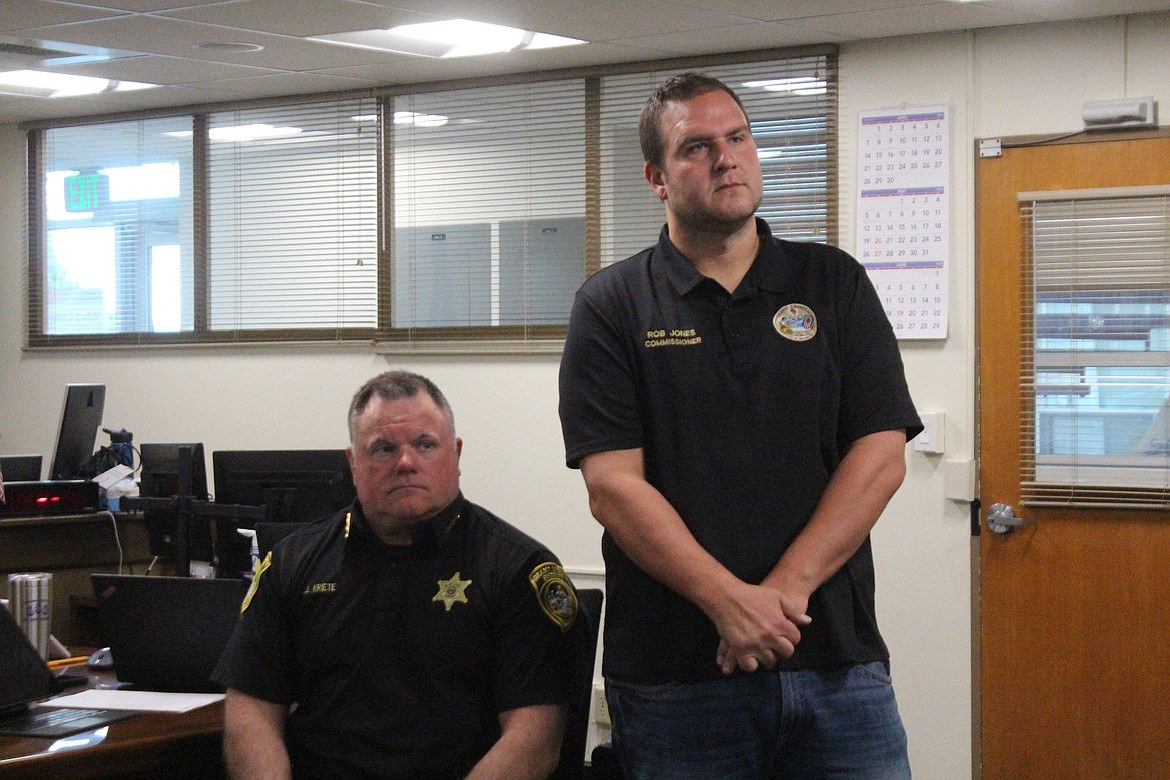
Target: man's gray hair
[394,386]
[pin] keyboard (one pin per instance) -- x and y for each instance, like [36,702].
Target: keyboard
[58,721]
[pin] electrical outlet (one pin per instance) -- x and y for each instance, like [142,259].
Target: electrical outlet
[600,706]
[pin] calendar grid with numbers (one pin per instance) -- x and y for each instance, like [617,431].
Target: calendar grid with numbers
[903,215]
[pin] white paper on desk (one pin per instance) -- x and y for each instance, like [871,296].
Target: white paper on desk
[107,478]
[142,701]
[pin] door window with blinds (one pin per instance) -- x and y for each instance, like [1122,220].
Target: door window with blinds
[1097,367]
[448,219]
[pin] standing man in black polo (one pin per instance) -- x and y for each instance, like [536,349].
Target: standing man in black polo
[738,410]
[413,635]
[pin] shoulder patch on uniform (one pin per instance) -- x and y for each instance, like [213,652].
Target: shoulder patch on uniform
[555,594]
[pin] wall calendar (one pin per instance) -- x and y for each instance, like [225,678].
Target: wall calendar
[903,214]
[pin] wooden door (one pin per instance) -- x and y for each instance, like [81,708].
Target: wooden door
[1073,659]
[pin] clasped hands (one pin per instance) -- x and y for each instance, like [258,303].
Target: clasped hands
[760,628]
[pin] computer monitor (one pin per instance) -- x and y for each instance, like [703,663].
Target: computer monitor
[81,416]
[295,486]
[175,470]
[20,468]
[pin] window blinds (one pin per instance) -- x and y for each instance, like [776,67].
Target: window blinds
[1096,364]
[292,218]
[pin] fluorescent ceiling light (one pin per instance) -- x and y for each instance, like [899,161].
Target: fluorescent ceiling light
[797,85]
[35,83]
[241,133]
[451,38]
[37,53]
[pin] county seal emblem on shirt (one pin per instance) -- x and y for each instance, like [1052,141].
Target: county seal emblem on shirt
[795,322]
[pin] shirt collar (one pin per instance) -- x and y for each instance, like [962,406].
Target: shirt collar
[427,537]
[682,273]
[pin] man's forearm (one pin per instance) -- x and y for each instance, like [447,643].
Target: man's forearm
[650,531]
[253,739]
[857,493]
[528,747]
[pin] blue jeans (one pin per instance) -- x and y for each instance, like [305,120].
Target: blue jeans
[801,725]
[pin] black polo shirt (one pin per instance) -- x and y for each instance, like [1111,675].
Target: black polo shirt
[744,405]
[399,659]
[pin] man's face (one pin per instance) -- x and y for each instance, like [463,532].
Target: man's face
[710,177]
[405,462]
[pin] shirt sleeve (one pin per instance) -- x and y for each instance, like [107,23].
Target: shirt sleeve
[599,404]
[535,652]
[258,658]
[874,393]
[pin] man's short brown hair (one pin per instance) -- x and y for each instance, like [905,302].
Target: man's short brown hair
[676,89]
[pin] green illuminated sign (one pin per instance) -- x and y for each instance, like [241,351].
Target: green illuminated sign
[87,191]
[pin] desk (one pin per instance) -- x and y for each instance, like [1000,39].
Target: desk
[149,746]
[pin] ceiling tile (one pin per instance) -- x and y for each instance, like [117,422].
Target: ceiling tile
[23,14]
[891,23]
[178,38]
[301,19]
[598,20]
[163,70]
[741,37]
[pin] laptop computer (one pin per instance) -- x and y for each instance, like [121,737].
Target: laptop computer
[21,468]
[167,633]
[24,679]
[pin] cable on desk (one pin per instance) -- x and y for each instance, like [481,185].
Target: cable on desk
[117,538]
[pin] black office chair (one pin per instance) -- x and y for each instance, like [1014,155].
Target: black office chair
[604,763]
[572,764]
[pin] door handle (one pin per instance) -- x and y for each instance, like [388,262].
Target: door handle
[1001,519]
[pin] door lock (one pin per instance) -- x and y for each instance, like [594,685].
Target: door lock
[1001,519]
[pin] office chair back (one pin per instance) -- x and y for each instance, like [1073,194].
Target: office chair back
[572,763]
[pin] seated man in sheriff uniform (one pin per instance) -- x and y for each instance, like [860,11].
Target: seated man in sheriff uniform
[414,635]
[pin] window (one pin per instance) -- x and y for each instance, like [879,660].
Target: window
[1097,410]
[443,220]
[292,218]
[117,243]
[489,207]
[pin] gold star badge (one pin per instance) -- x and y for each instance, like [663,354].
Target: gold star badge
[452,591]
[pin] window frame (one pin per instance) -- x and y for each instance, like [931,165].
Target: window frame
[495,339]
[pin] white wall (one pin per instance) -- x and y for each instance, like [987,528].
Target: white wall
[921,544]
[1006,81]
